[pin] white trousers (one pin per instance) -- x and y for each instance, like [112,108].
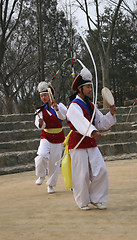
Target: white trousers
[89,176]
[48,154]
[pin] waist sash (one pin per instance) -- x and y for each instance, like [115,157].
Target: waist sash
[53,130]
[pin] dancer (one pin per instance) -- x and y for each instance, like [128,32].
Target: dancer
[89,172]
[49,120]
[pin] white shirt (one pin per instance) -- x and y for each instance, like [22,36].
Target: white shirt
[76,117]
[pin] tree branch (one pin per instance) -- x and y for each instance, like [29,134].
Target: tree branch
[113,25]
[82,8]
[17,20]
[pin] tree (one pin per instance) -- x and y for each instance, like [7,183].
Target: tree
[103,48]
[22,65]
[7,28]
[9,22]
[40,39]
[123,59]
[57,48]
[15,55]
[122,62]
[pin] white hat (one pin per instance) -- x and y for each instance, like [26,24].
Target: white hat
[84,78]
[43,87]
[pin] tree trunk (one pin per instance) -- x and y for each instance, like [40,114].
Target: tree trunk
[105,72]
[8,106]
[2,50]
[40,31]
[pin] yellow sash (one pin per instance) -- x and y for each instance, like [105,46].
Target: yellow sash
[66,164]
[53,130]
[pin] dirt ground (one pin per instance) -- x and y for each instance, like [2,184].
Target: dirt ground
[28,212]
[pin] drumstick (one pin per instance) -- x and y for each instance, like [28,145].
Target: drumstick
[106,132]
[51,95]
[52,98]
[36,111]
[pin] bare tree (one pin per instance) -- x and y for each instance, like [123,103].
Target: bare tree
[103,48]
[5,19]
[8,23]
[40,39]
[34,43]
[18,59]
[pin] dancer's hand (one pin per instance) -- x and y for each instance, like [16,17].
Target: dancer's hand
[96,135]
[40,122]
[112,109]
[55,106]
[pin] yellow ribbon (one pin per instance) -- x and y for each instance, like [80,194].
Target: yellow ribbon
[66,141]
[53,130]
[66,164]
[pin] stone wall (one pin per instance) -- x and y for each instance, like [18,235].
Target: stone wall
[19,140]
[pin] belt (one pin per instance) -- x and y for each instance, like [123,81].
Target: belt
[53,130]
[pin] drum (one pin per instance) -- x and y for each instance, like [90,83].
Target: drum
[108,97]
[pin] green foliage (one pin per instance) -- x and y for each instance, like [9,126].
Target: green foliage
[20,68]
[122,62]
[123,72]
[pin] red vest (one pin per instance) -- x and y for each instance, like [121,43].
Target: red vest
[52,122]
[75,137]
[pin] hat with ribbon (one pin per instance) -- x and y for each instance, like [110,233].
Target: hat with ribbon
[84,78]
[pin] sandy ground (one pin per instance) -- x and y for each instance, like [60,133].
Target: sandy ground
[28,212]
